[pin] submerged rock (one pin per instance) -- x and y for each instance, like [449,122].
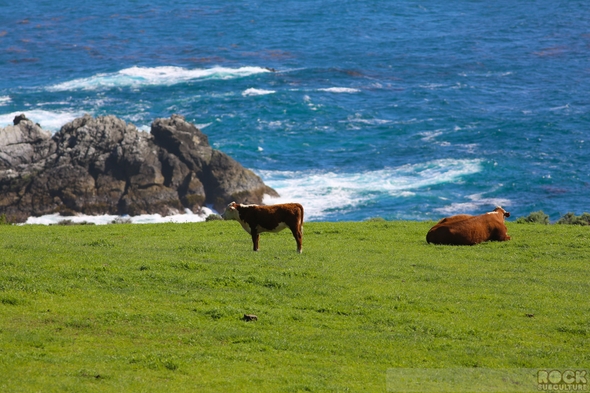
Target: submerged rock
[104,165]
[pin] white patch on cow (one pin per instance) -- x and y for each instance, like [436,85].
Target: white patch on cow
[492,213]
[231,214]
[245,226]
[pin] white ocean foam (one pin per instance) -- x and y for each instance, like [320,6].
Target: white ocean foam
[149,76]
[368,121]
[275,123]
[486,74]
[324,192]
[256,92]
[4,100]
[48,120]
[202,126]
[469,147]
[559,108]
[340,90]
[428,136]
[52,219]
[311,105]
[433,86]
[475,205]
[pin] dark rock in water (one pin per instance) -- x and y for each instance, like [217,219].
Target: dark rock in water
[19,118]
[105,166]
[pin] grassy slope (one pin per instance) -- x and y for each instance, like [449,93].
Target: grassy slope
[158,307]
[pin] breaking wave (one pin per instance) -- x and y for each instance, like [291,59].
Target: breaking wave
[48,120]
[53,219]
[154,76]
[257,92]
[323,193]
[340,90]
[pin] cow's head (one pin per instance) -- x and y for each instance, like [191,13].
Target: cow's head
[231,212]
[502,211]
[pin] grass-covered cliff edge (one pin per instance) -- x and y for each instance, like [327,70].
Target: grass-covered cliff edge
[159,307]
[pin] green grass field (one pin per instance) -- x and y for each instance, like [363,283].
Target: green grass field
[158,308]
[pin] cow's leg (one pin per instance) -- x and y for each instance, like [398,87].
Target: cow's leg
[296,231]
[505,234]
[501,235]
[255,239]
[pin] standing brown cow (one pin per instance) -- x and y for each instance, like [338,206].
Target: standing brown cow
[273,218]
[469,230]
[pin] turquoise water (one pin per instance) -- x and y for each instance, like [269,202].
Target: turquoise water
[404,110]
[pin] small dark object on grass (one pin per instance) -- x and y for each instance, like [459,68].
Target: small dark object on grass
[213,217]
[250,317]
[530,315]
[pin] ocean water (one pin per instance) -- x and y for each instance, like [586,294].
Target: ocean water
[357,109]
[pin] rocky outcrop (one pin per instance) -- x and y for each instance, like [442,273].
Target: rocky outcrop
[105,166]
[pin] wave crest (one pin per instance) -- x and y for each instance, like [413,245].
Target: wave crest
[340,90]
[256,92]
[153,76]
[323,193]
[48,120]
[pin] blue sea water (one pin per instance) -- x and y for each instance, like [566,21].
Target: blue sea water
[399,109]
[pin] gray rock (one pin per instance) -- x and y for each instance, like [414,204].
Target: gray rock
[23,143]
[229,181]
[105,166]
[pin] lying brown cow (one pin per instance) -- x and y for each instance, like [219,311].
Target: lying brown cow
[468,230]
[274,218]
